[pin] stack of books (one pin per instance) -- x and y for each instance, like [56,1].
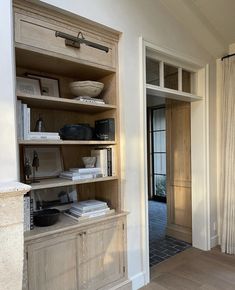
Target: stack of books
[81,173]
[105,159]
[88,209]
[24,130]
[90,100]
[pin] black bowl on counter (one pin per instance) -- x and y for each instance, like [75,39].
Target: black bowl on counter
[46,217]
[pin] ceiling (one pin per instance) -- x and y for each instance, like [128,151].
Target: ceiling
[211,22]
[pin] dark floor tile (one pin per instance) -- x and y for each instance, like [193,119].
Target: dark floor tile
[161,247]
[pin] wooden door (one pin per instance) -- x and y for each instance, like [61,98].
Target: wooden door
[101,256]
[179,170]
[52,264]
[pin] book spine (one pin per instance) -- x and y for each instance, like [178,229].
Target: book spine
[26,121]
[33,137]
[109,161]
[114,170]
[26,213]
[19,120]
[31,214]
[85,170]
[104,162]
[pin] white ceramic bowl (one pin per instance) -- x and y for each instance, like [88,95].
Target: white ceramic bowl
[89,162]
[86,88]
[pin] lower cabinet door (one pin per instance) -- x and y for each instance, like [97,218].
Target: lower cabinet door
[101,256]
[52,264]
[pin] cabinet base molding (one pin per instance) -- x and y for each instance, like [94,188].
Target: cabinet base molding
[127,285]
[179,233]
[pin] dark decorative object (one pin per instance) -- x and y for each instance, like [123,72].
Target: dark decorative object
[35,165]
[74,41]
[40,127]
[46,217]
[105,129]
[27,170]
[76,132]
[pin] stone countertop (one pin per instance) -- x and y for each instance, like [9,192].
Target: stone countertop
[13,188]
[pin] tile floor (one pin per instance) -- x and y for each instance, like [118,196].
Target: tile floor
[161,247]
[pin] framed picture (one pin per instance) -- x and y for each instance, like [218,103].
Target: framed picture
[27,86]
[50,163]
[49,86]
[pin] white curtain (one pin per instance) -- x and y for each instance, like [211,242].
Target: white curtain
[227,185]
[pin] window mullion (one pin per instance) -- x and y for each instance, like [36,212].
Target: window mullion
[161,72]
[180,79]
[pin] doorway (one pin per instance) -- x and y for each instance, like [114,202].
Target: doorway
[167,209]
[199,144]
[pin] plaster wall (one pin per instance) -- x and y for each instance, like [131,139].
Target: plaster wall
[8,148]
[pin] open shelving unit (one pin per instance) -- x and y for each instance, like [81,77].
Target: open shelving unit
[51,58]
[39,52]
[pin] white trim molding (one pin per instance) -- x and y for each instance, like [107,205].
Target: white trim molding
[214,241]
[138,281]
[199,153]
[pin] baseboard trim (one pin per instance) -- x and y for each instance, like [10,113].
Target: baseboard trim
[179,233]
[126,285]
[138,281]
[214,241]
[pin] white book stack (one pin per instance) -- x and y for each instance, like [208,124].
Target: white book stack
[90,100]
[88,209]
[81,173]
[105,159]
[24,130]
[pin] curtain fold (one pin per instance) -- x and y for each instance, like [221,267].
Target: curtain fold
[227,181]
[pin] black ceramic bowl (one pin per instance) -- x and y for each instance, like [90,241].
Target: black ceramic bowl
[46,217]
[76,132]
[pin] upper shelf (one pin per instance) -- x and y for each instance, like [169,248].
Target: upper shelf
[65,142]
[64,104]
[153,90]
[53,63]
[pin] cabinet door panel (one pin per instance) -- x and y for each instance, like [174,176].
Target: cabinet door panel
[53,264]
[101,256]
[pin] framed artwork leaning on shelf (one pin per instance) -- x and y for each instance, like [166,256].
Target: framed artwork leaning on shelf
[27,86]
[49,86]
[50,162]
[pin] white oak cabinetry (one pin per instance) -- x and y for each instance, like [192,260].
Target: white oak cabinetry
[91,257]
[72,255]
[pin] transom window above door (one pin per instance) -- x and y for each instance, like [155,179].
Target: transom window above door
[165,75]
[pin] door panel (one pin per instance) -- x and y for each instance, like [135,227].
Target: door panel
[101,256]
[179,170]
[53,264]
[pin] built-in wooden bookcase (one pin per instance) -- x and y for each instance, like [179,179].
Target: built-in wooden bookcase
[39,52]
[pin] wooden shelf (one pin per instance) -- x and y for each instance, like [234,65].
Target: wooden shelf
[68,224]
[58,182]
[65,142]
[64,104]
[51,62]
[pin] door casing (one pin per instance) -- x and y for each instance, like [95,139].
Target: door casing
[199,154]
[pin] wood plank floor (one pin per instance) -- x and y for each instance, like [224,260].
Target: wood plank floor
[194,269]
